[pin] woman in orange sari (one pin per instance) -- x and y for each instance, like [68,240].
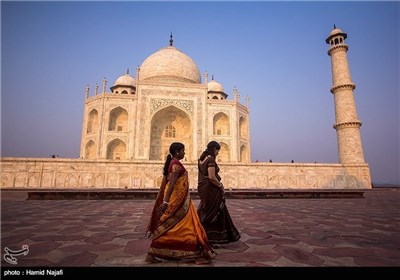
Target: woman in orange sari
[175,227]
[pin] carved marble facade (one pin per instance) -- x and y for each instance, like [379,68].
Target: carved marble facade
[166,102]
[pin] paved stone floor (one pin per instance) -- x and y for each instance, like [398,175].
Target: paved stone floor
[321,232]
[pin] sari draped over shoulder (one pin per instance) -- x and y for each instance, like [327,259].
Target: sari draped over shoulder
[178,232]
[212,210]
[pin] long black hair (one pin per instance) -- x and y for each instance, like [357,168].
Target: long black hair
[211,147]
[173,149]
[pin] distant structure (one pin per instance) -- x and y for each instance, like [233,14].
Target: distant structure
[164,103]
[347,124]
[126,133]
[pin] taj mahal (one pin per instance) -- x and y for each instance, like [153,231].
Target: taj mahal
[126,132]
[164,103]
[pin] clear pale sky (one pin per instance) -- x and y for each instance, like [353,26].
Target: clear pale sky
[273,52]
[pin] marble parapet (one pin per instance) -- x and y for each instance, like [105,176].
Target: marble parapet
[60,173]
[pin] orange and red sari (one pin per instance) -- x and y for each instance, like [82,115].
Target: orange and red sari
[178,232]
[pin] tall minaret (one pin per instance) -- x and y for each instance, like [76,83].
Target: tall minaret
[347,123]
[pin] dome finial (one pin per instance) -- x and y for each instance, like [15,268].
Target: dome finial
[171,41]
[334,26]
[127,71]
[212,77]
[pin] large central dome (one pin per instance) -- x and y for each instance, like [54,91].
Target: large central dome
[170,65]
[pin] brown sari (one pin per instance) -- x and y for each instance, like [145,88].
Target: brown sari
[212,210]
[177,233]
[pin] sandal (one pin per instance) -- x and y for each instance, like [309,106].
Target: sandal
[151,259]
[202,261]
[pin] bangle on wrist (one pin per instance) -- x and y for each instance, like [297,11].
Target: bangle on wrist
[166,202]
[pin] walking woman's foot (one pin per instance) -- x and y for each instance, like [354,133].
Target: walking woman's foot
[151,259]
[210,254]
[202,261]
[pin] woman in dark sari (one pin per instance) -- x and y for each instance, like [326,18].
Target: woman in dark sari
[212,209]
[175,227]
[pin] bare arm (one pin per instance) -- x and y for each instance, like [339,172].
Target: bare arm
[213,178]
[172,181]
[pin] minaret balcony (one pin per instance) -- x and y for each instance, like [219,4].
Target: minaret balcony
[337,48]
[350,86]
[355,124]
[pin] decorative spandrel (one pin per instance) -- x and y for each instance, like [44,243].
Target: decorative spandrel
[186,105]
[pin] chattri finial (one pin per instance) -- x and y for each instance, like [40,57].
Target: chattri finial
[334,26]
[127,71]
[171,41]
